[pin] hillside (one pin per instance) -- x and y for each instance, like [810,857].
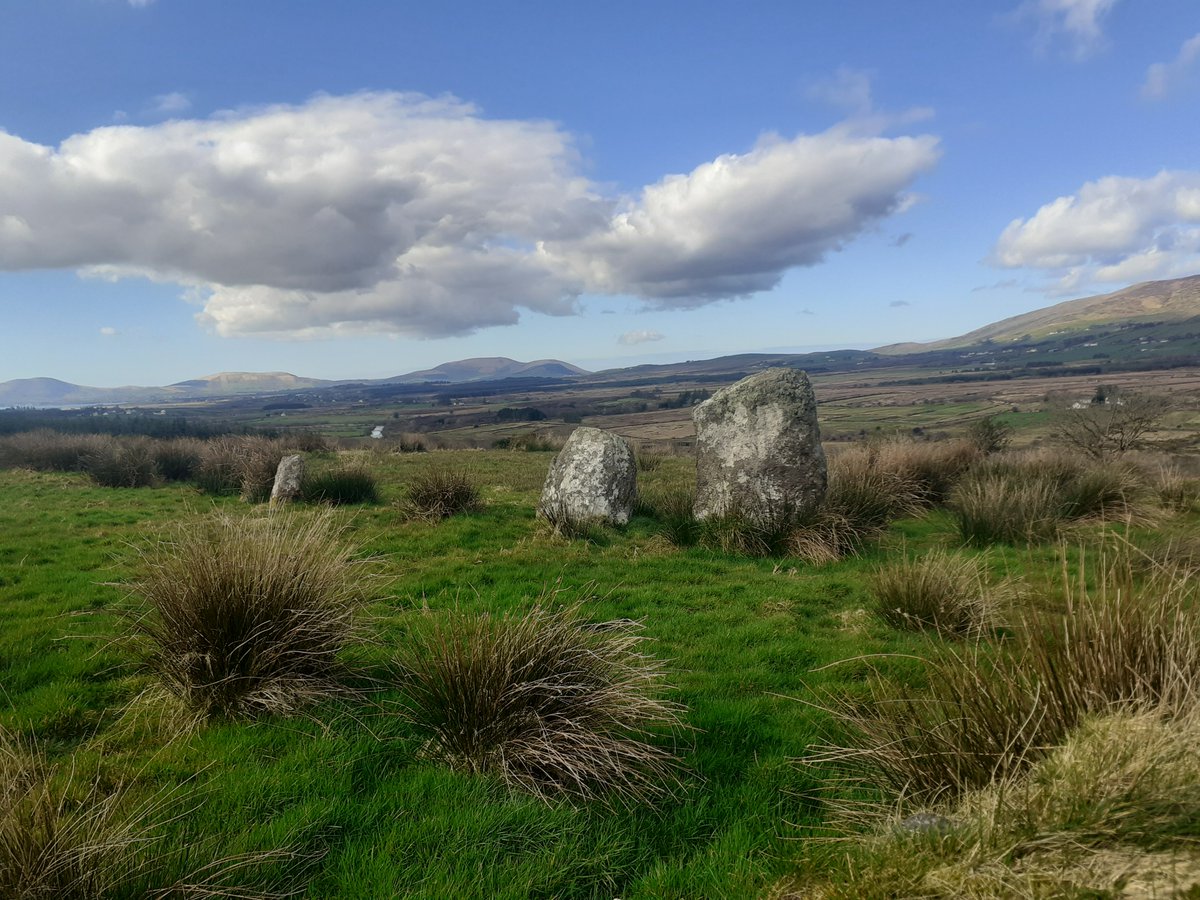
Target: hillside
[1151,301]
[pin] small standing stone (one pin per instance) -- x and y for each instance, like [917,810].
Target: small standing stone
[288,478]
[758,448]
[593,479]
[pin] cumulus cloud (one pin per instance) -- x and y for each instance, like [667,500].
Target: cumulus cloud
[1161,78]
[1079,24]
[109,331]
[640,337]
[733,226]
[1114,230]
[404,214]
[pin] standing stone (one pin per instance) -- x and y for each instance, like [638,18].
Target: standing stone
[758,448]
[593,479]
[287,480]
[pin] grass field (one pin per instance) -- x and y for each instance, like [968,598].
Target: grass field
[346,798]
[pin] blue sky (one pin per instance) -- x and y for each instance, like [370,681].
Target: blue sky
[359,189]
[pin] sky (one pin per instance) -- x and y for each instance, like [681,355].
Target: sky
[357,189]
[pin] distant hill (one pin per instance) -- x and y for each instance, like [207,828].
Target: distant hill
[1150,301]
[489,368]
[226,383]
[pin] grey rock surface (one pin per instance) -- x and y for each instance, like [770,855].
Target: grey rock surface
[593,479]
[288,477]
[758,448]
[926,823]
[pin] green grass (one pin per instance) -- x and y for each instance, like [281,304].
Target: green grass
[349,791]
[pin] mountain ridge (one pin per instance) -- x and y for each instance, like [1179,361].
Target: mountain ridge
[1148,301]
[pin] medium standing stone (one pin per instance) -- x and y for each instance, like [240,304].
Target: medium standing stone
[288,477]
[593,479]
[758,448]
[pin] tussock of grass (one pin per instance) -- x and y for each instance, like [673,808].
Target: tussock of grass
[672,508]
[550,703]
[179,459]
[245,616]
[440,492]
[648,460]
[867,492]
[50,451]
[1031,497]
[1110,812]
[998,507]
[564,523]
[947,593]
[66,834]
[343,485]
[1175,490]
[744,533]
[1126,644]
[132,462]
[258,461]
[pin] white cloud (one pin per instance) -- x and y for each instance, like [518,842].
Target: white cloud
[640,337]
[169,104]
[733,226]
[1112,230]
[138,4]
[1162,77]
[109,331]
[1078,23]
[400,213]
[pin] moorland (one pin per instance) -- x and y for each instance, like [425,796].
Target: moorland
[970,673]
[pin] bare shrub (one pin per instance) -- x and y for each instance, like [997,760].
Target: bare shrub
[545,700]
[1117,425]
[440,492]
[943,592]
[243,616]
[990,435]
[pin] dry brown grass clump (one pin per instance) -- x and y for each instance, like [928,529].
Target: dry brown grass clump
[1109,812]
[244,616]
[867,491]
[550,703]
[48,450]
[1126,644]
[440,492]
[68,833]
[948,593]
[125,462]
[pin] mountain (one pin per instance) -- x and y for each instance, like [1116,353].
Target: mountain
[489,368]
[224,384]
[1150,301]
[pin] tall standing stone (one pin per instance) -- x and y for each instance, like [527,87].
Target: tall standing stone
[288,478]
[758,448]
[593,479]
